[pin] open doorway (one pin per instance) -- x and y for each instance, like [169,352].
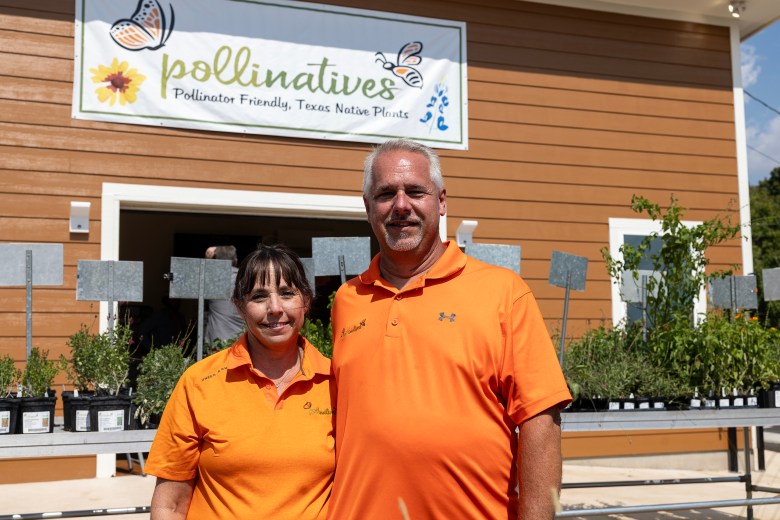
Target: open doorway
[153,237]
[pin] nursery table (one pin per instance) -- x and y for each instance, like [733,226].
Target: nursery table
[62,443]
[634,420]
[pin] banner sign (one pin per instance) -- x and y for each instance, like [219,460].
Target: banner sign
[273,67]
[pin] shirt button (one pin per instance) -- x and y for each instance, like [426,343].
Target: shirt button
[395,322]
[398,297]
[267,387]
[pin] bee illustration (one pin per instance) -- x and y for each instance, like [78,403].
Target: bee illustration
[146,29]
[408,55]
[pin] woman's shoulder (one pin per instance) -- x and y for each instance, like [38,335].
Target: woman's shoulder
[208,365]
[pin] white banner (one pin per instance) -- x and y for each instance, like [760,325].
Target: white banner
[273,67]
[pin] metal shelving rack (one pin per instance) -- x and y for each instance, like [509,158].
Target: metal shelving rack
[627,421]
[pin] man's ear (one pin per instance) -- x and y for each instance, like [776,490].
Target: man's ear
[443,202]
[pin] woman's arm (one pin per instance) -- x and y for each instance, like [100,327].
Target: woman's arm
[171,499]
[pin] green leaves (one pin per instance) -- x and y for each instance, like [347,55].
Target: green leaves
[675,359]
[100,362]
[765,228]
[319,335]
[39,373]
[681,259]
[9,375]
[158,374]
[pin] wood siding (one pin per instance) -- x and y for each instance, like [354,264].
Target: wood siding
[570,113]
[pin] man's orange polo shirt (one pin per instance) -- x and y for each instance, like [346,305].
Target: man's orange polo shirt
[432,381]
[253,454]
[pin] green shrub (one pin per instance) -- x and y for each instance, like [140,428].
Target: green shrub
[39,373]
[319,334]
[10,376]
[99,362]
[159,372]
[720,353]
[218,345]
[603,363]
[674,359]
[681,260]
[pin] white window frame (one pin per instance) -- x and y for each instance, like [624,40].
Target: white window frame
[618,229]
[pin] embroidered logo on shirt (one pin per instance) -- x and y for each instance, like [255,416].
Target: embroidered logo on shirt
[321,411]
[354,328]
[307,405]
[213,375]
[443,316]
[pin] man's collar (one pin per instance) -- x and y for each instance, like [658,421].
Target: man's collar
[452,261]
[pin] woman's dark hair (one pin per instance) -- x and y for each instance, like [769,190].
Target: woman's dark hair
[255,268]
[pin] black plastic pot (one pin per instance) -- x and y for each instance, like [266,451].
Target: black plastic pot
[36,415]
[109,413]
[9,413]
[770,398]
[76,411]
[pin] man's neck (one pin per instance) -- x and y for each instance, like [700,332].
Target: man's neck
[400,269]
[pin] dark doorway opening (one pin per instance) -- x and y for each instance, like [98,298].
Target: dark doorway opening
[153,237]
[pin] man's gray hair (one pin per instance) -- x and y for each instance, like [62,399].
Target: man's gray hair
[406,145]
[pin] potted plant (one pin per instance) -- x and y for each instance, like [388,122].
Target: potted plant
[158,374]
[99,368]
[10,376]
[601,367]
[80,372]
[36,408]
[661,388]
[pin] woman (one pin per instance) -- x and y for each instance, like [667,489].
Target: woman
[248,431]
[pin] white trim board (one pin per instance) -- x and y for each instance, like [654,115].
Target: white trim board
[740,137]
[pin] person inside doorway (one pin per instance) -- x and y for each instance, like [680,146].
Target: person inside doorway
[223,321]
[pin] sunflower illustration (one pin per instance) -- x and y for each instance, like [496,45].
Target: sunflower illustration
[122,84]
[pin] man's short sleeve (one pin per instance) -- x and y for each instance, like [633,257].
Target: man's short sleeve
[531,375]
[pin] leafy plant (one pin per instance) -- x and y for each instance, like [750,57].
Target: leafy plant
[604,363]
[765,228]
[657,381]
[9,375]
[719,353]
[319,334]
[217,345]
[100,362]
[39,373]
[159,372]
[80,368]
[681,260]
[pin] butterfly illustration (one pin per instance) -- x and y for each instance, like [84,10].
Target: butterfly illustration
[147,29]
[407,56]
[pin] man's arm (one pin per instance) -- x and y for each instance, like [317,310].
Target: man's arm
[539,461]
[171,499]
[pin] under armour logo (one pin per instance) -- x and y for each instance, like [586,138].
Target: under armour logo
[451,317]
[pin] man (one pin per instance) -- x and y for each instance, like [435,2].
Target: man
[438,359]
[223,321]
